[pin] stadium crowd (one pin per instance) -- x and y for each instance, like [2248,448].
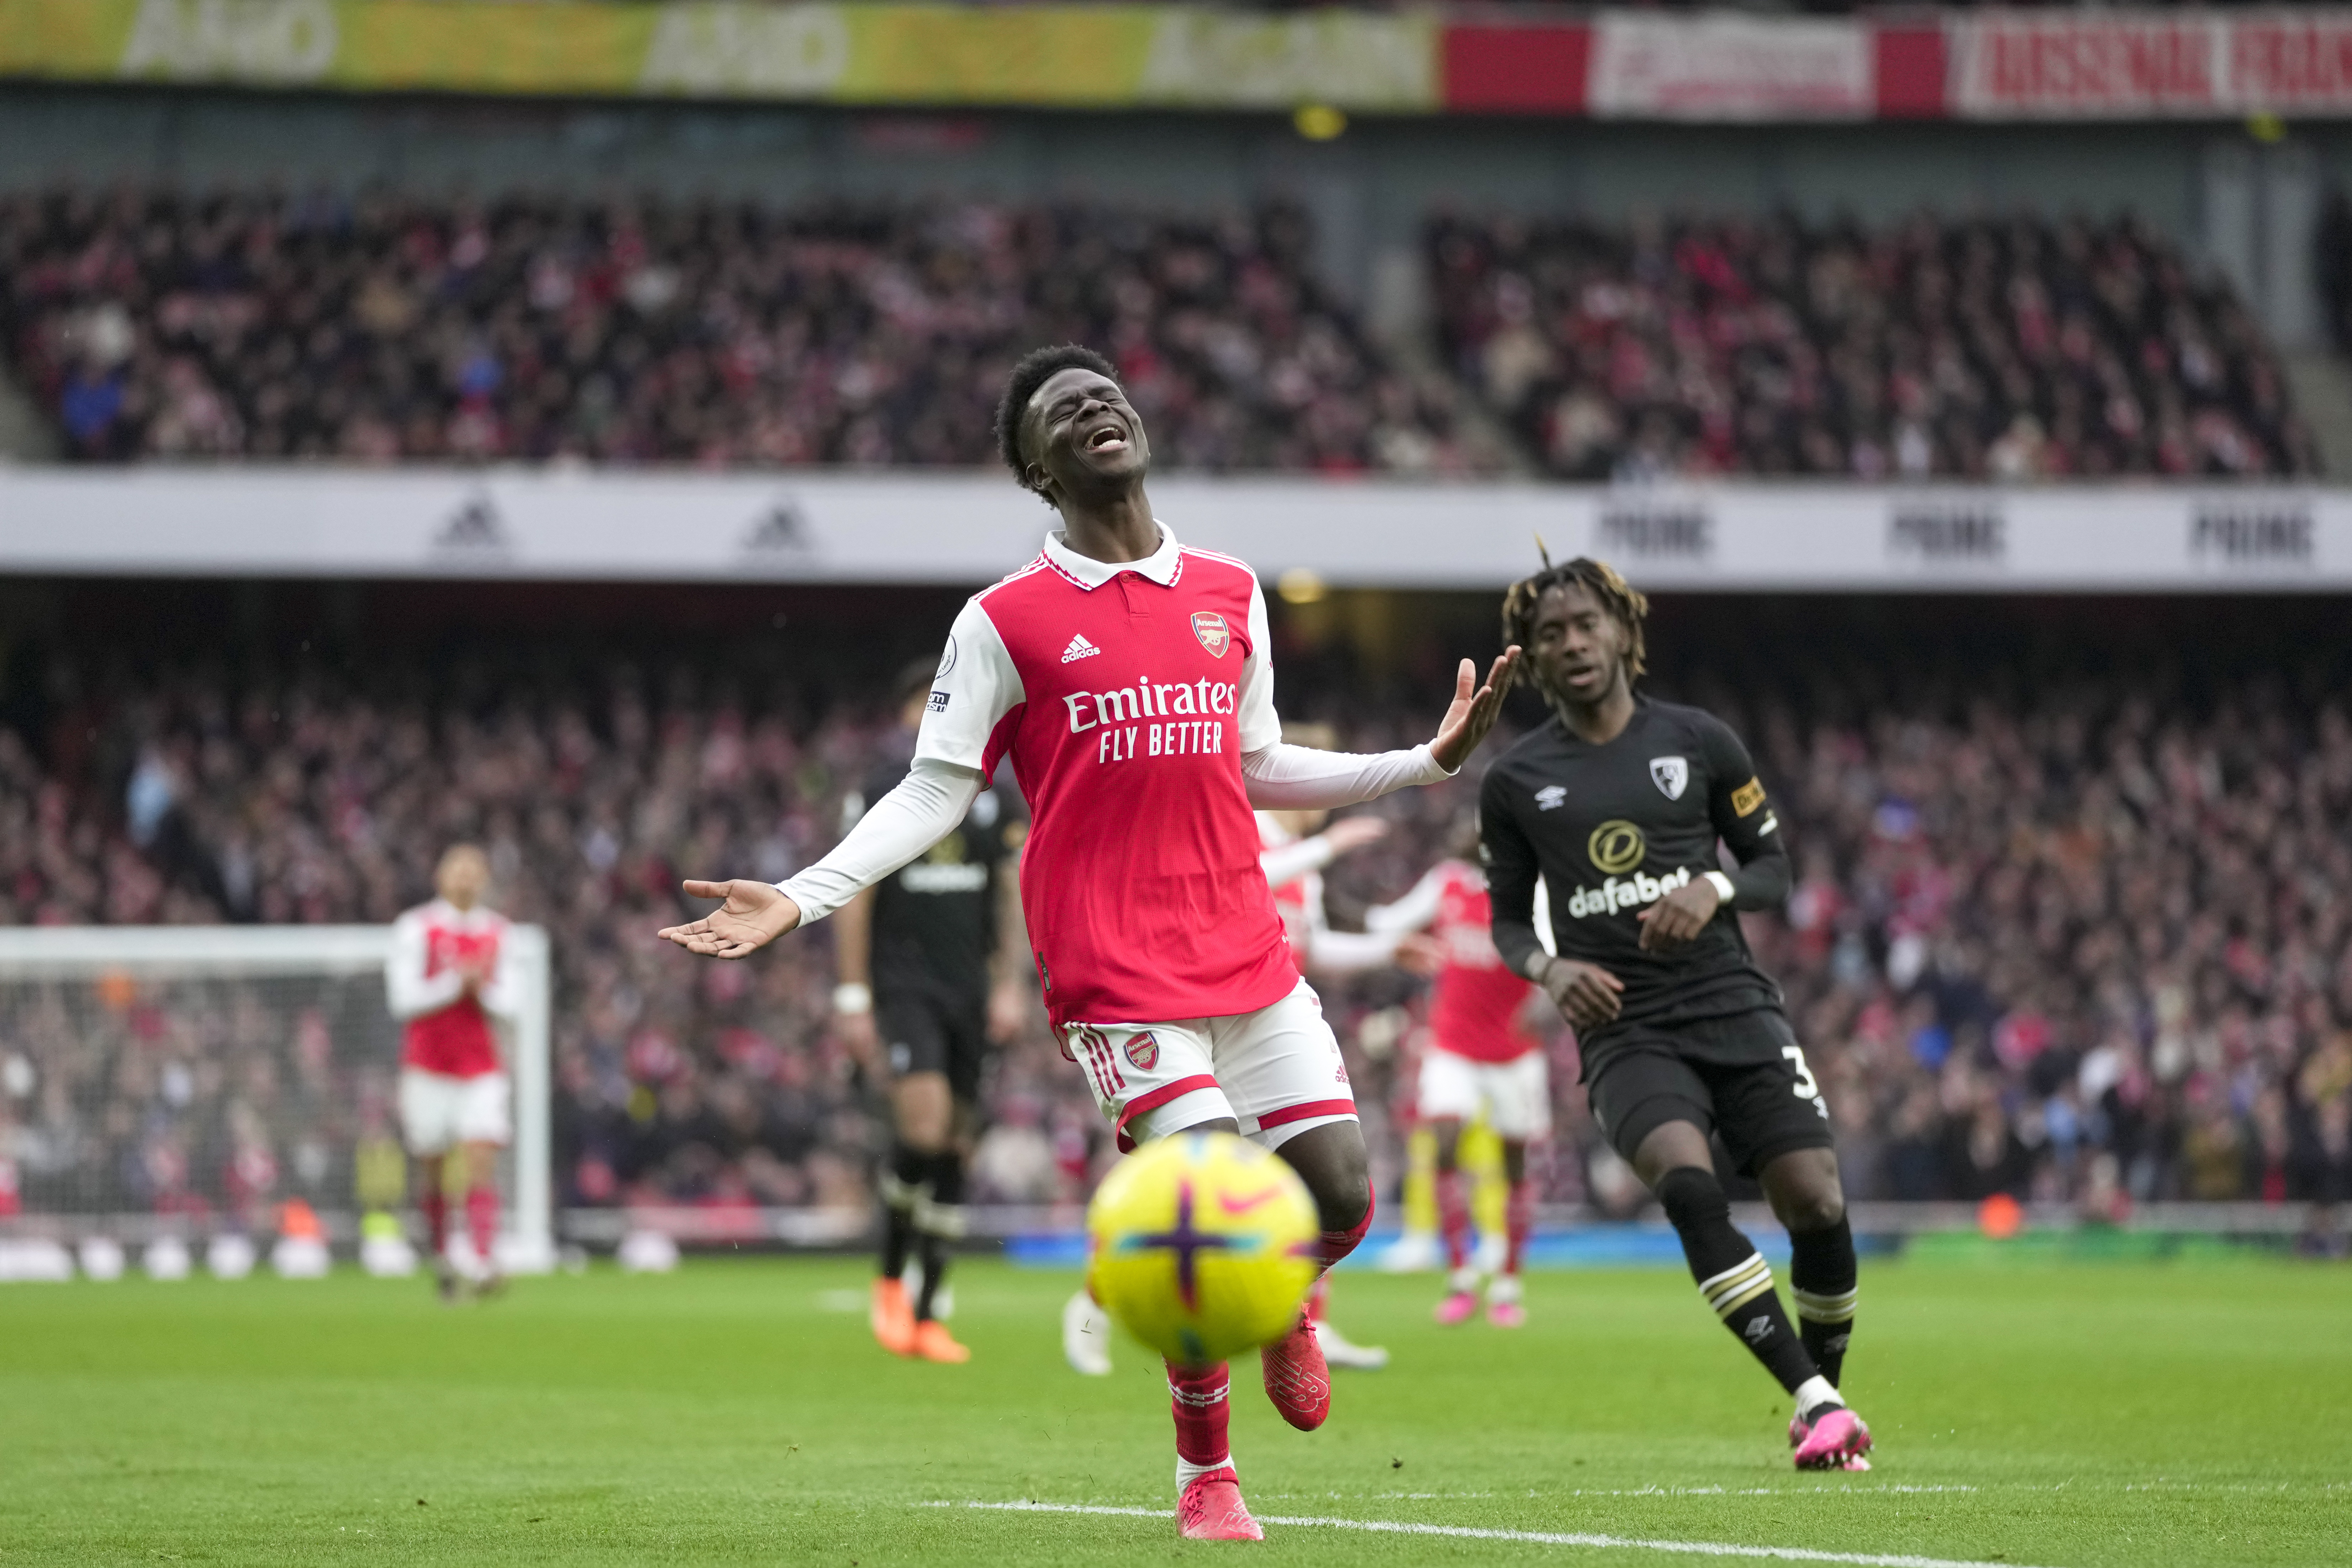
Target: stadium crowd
[161,325]
[156,324]
[2006,349]
[2088,945]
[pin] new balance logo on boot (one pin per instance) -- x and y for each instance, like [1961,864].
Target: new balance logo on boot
[1079,648]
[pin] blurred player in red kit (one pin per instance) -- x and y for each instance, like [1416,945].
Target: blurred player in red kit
[1480,1057]
[1294,847]
[1130,680]
[451,980]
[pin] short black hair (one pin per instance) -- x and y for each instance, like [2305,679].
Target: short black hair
[1037,367]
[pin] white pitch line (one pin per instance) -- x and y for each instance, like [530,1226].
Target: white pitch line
[1532,1536]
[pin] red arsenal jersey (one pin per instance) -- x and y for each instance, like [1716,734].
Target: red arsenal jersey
[1125,695]
[1476,1000]
[448,1032]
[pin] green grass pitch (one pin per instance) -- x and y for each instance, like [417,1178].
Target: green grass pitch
[736,1412]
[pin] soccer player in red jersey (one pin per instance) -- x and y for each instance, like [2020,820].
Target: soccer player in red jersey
[447,978]
[1130,680]
[1480,1057]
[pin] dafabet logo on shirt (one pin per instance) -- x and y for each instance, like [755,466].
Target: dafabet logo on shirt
[1214,634]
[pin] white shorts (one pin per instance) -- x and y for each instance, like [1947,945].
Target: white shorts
[1516,1095]
[439,1112]
[1277,1072]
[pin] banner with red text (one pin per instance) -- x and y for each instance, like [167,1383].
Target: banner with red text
[2059,65]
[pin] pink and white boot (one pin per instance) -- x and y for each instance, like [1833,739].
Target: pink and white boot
[1461,1303]
[1211,1509]
[1831,1439]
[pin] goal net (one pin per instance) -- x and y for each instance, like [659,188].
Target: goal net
[207,1082]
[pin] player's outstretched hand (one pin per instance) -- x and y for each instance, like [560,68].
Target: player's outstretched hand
[1589,995]
[753,914]
[1473,713]
[1008,1010]
[1421,953]
[1353,833]
[1679,916]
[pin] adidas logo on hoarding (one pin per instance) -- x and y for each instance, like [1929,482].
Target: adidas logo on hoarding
[1079,648]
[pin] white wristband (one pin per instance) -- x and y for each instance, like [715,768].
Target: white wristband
[1723,888]
[851,997]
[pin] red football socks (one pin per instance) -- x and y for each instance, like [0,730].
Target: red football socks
[1337,1244]
[1518,1218]
[1453,1217]
[482,1219]
[1196,1397]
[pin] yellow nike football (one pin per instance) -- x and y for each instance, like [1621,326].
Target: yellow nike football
[1201,1245]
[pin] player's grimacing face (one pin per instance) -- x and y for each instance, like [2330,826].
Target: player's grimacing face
[1578,646]
[1082,430]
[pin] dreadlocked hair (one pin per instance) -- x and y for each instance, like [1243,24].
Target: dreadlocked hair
[1627,604]
[1037,367]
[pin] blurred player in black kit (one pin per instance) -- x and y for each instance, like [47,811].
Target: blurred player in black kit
[929,961]
[1618,804]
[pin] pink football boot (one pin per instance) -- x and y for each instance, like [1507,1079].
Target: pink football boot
[1297,1379]
[1459,1307]
[1835,1440]
[1212,1509]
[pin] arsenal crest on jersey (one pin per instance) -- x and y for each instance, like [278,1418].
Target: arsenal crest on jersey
[1214,634]
[1143,1050]
[1671,774]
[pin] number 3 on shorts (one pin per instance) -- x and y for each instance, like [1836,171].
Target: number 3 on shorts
[1806,1088]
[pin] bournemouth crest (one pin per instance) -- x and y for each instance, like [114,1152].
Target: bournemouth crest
[1143,1050]
[1671,774]
[1214,634]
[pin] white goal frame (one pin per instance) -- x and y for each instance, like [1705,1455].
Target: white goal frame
[49,951]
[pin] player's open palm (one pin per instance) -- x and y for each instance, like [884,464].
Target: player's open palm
[752,914]
[1474,711]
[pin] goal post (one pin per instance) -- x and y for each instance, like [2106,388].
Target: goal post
[184,1079]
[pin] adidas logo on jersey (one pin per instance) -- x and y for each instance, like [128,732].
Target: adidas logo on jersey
[1079,648]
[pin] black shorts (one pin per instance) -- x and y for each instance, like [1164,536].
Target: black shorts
[1743,1076]
[923,1032]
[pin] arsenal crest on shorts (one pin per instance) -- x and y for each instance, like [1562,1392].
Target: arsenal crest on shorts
[1670,775]
[1210,628]
[1143,1049]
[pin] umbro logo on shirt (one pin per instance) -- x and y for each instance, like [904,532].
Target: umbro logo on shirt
[1079,648]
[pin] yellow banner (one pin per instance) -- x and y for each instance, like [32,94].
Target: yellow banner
[1081,56]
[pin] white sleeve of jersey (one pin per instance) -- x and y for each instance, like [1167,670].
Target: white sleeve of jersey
[1261,727]
[1350,952]
[405,988]
[1414,911]
[1285,863]
[927,805]
[1301,777]
[976,686]
[503,997]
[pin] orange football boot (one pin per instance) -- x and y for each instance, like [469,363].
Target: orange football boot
[894,1318]
[933,1343]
